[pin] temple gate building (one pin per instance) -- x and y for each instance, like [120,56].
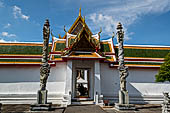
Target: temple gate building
[83,69]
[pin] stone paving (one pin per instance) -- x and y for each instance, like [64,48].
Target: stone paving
[24,108]
[148,108]
[84,109]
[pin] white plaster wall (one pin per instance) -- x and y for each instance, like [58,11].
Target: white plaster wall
[152,89]
[20,81]
[29,88]
[11,74]
[110,81]
[138,75]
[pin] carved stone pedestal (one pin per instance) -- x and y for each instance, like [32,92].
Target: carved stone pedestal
[41,104]
[0,107]
[42,97]
[123,97]
[41,107]
[124,106]
[124,102]
[166,108]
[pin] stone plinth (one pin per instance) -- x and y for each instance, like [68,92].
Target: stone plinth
[0,106]
[165,108]
[123,97]
[124,102]
[41,104]
[42,97]
[41,107]
[124,106]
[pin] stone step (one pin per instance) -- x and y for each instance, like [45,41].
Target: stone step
[82,102]
[84,109]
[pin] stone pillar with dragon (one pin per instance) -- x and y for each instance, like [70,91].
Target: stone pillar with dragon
[123,74]
[123,70]
[44,73]
[45,67]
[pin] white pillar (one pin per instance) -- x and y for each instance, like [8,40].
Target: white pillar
[97,83]
[68,82]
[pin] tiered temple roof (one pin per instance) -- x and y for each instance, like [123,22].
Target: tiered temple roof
[80,43]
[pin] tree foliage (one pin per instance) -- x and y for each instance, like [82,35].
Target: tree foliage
[164,72]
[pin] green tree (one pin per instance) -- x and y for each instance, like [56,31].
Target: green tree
[164,72]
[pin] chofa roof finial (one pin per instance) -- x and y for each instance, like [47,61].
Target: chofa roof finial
[65,28]
[84,24]
[80,11]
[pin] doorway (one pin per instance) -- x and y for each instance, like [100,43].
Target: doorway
[82,83]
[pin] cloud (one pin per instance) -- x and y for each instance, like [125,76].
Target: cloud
[1,4]
[127,12]
[17,12]
[6,34]
[4,41]
[7,25]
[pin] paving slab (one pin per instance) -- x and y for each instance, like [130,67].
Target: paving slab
[84,109]
[25,108]
[147,108]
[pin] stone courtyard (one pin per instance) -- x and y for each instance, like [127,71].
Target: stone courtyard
[24,108]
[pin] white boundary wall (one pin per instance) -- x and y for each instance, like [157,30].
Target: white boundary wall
[110,84]
[20,84]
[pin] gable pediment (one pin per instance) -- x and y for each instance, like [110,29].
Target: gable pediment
[78,25]
[83,43]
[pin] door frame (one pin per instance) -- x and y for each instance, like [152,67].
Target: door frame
[91,84]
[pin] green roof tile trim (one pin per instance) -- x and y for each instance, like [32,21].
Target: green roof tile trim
[23,50]
[105,48]
[109,57]
[20,60]
[57,56]
[60,46]
[144,63]
[148,53]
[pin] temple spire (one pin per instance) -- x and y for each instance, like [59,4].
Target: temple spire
[80,11]
[84,22]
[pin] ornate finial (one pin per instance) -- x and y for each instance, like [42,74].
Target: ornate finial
[84,21]
[52,33]
[113,35]
[100,30]
[80,11]
[119,26]
[59,36]
[65,28]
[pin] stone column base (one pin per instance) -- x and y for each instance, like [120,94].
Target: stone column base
[0,107]
[41,104]
[123,97]
[42,96]
[124,106]
[165,108]
[41,107]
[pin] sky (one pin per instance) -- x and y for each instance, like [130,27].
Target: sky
[145,22]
